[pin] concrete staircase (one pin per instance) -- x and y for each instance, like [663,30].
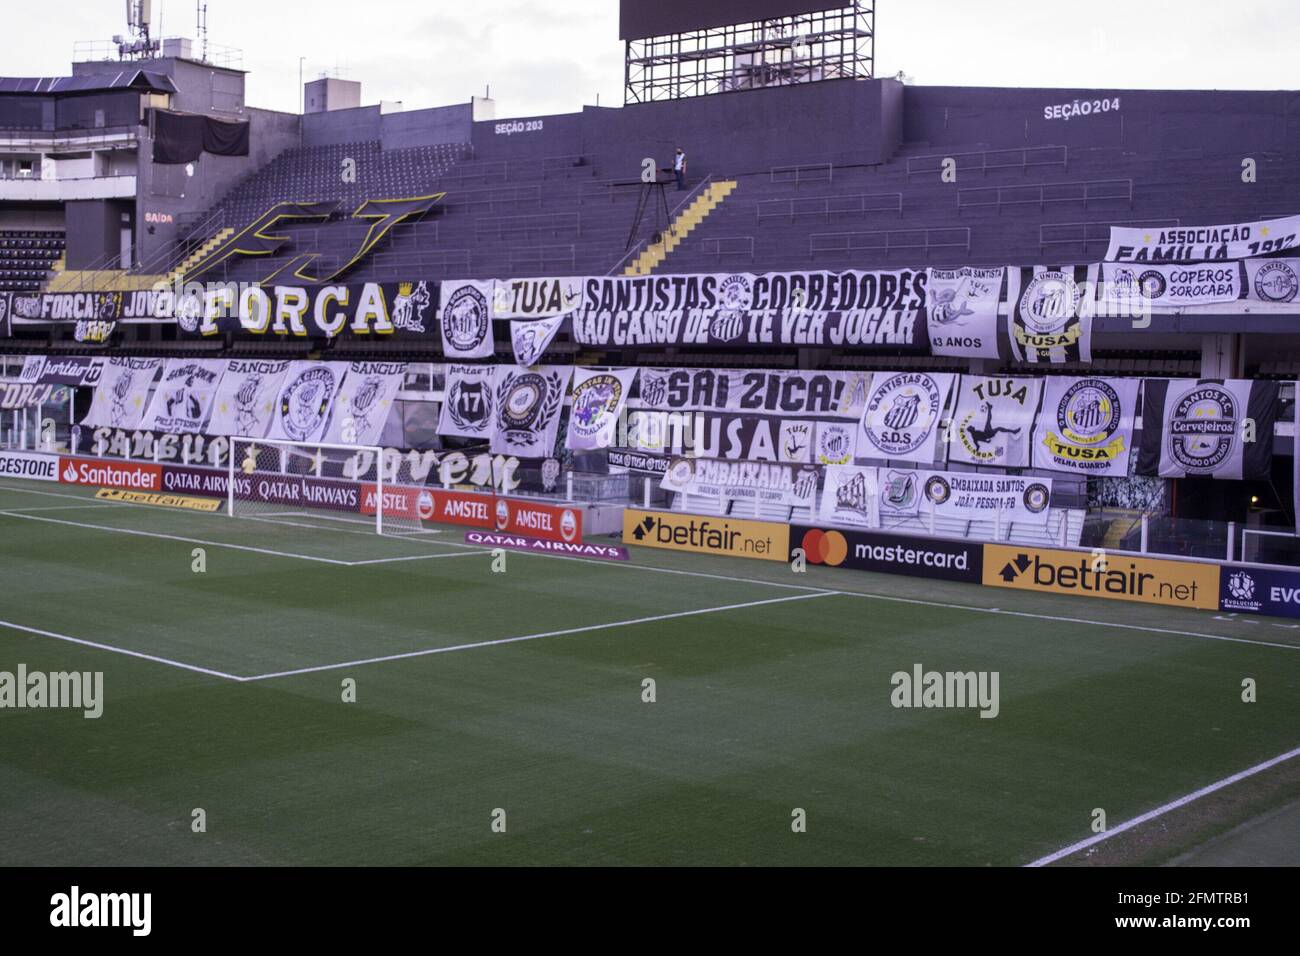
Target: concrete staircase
[199,254]
[694,214]
[101,280]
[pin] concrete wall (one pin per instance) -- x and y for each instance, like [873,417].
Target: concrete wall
[169,191]
[442,124]
[1145,120]
[94,228]
[364,124]
[431,127]
[838,121]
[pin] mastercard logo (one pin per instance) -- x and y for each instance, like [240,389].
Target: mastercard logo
[825,547]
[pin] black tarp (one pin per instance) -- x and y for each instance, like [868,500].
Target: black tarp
[183,137]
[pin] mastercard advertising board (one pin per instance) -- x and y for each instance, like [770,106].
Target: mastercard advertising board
[889,553]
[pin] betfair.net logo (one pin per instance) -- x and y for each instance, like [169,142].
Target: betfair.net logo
[681,532]
[1118,577]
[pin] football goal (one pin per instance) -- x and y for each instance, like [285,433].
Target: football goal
[323,485]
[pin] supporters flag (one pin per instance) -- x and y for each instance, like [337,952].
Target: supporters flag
[1207,428]
[1049,313]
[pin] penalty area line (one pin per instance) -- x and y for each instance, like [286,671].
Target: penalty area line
[1160,811]
[536,637]
[112,649]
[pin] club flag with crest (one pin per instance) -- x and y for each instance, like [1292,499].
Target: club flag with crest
[1086,425]
[901,419]
[1050,311]
[122,393]
[527,409]
[307,395]
[245,401]
[851,497]
[1208,428]
[599,397]
[466,319]
[469,402]
[364,402]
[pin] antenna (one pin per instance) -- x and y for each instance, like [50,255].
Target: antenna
[139,18]
[201,16]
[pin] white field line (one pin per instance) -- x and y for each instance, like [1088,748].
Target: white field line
[1165,808]
[538,636]
[175,537]
[417,557]
[1058,619]
[118,650]
[99,504]
[801,587]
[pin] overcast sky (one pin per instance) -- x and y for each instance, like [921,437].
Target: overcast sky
[554,56]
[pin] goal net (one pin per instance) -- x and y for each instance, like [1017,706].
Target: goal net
[323,485]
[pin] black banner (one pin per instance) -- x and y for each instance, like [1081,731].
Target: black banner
[371,309]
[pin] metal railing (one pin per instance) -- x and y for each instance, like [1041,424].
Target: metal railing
[1090,233]
[740,246]
[1042,194]
[797,175]
[642,244]
[500,227]
[890,240]
[827,206]
[553,164]
[491,196]
[541,256]
[983,161]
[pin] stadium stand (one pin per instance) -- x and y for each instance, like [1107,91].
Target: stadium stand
[27,257]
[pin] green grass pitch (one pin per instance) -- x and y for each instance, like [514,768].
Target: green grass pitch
[522,691]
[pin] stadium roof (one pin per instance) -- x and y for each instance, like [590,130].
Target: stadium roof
[129,79]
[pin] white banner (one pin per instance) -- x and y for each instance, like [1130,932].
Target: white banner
[302,409]
[364,402]
[963,496]
[1050,312]
[598,401]
[835,443]
[993,420]
[1131,288]
[536,298]
[962,311]
[1273,280]
[122,391]
[245,399]
[795,441]
[831,394]
[531,339]
[901,418]
[742,481]
[1086,425]
[469,402]
[1240,240]
[528,403]
[899,493]
[850,497]
[466,319]
[183,398]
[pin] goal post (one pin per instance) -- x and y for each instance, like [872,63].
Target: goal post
[317,484]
